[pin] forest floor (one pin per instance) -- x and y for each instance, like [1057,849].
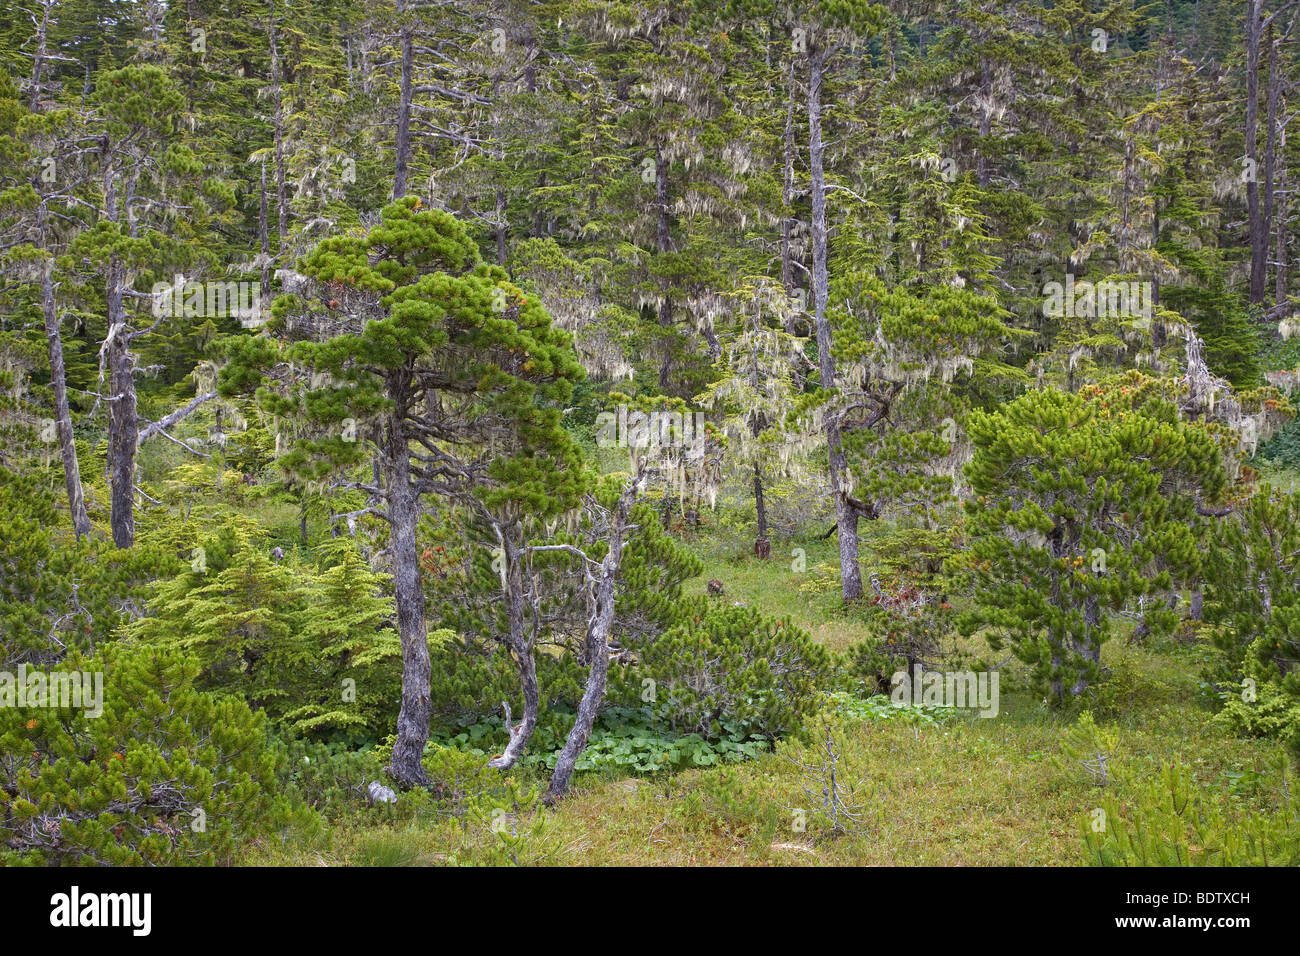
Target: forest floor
[961,791]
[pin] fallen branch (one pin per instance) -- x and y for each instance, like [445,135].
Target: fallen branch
[167,421]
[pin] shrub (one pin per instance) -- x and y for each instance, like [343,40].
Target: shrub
[880,708]
[734,665]
[630,740]
[1089,750]
[1172,822]
[906,621]
[330,778]
[165,775]
[58,594]
[1272,714]
[1079,507]
[313,648]
[1255,606]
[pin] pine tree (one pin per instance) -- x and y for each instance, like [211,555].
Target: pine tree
[409,346]
[162,775]
[58,595]
[1251,594]
[1075,504]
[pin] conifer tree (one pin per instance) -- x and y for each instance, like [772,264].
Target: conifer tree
[1252,595]
[762,365]
[147,182]
[38,220]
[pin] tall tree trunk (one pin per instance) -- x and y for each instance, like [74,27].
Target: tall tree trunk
[63,415]
[787,208]
[50,314]
[41,52]
[403,514]
[1280,291]
[663,243]
[1276,193]
[498,154]
[762,548]
[281,186]
[123,423]
[122,416]
[1254,212]
[793,321]
[986,120]
[846,518]
[1270,152]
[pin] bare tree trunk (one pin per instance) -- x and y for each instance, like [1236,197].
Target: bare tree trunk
[38,58]
[53,334]
[1280,290]
[63,415]
[264,238]
[281,187]
[846,517]
[1088,648]
[1270,152]
[787,203]
[1277,176]
[117,362]
[530,57]
[599,625]
[793,321]
[498,154]
[123,423]
[521,649]
[986,120]
[404,116]
[403,514]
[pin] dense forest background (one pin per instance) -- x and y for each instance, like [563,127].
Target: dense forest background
[417,409]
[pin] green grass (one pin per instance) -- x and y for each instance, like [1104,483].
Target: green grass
[967,791]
